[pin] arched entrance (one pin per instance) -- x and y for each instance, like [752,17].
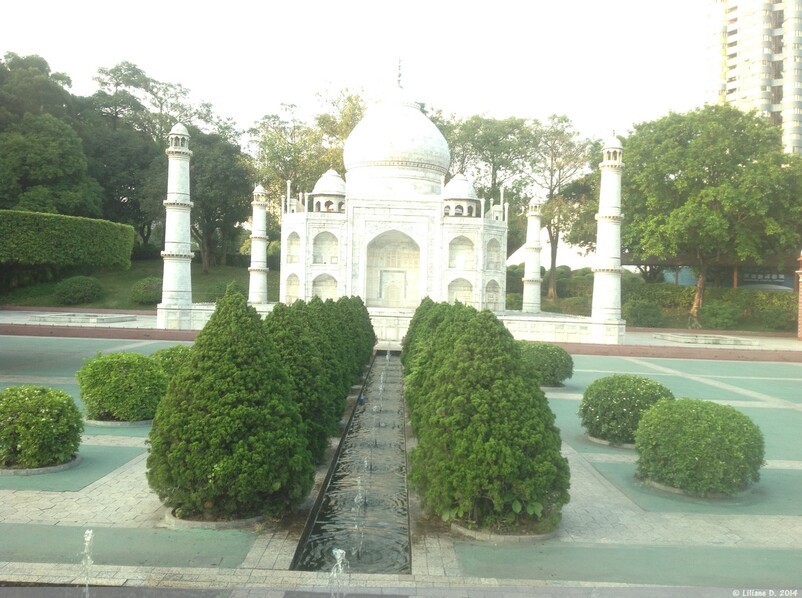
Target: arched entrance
[393,271]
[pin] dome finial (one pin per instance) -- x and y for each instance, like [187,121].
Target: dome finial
[399,75]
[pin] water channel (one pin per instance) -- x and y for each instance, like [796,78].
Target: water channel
[364,507]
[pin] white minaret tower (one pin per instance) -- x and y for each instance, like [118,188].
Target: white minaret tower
[175,310]
[607,268]
[257,285]
[531,299]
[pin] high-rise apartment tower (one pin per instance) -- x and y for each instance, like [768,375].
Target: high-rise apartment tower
[761,62]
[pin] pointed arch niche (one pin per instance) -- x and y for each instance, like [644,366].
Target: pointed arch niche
[460,290]
[325,248]
[461,254]
[292,289]
[293,248]
[393,271]
[325,287]
[493,296]
[493,259]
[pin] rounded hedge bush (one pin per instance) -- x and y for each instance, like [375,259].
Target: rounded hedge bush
[78,289]
[612,406]
[700,447]
[638,312]
[39,427]
[554,364]
[147,291]
[121,387]
[172,359]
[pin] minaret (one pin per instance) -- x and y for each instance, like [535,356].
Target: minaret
[531,300]
[607,267]
[257,286]
[175,310]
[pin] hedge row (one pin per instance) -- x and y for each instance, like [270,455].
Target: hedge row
[488,452]
[39,239]
[245,418]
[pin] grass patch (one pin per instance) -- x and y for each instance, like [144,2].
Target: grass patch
[117,286]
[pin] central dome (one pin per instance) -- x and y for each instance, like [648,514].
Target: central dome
[396,133]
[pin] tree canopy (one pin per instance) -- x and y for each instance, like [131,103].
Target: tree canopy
[710,186]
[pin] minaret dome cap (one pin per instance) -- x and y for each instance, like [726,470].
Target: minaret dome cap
[179,129]
[613,142]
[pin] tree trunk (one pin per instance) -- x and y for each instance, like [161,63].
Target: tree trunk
[698,299]
[554,237]
[207,252]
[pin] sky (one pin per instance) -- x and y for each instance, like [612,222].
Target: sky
[605,65]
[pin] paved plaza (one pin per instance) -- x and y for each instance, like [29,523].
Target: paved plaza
[617,537]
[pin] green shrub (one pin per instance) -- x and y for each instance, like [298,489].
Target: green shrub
[612,406]
[638,312]
[579,285]
[38,427]
[147,291]
[228,440]
[514,302]
[218,290]
[121,387]
[488,453]
[577,306]
[667,296]
[37,239]
[721,315]
[700,447]
[778,315]
[553,364]
[77,290]
[172,359]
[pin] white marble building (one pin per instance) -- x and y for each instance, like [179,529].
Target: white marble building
[391,232]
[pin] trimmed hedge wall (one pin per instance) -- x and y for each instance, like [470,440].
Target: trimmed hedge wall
[39,239]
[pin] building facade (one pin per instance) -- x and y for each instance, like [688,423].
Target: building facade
[760,48]
[391,231]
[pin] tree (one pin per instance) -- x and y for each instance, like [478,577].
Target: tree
[559,157]
[28,86]
[43,169]
[492,152]
[288,149]
[708,186]
[228,440]
[221,184]
[344,111]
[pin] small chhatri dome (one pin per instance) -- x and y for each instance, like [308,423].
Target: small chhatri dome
[179,129]
[258,190]
[396,132]
[459,188]
[331,183]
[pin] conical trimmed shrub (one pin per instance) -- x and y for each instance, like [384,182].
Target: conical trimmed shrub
[228,440]
[488,451]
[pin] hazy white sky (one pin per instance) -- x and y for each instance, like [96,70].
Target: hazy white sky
[606,65]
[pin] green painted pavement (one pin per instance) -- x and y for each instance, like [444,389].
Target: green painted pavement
[96,462]
[49,356]
[777,493]
[684,566]
[130,431]
[781,431]
[125,546]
